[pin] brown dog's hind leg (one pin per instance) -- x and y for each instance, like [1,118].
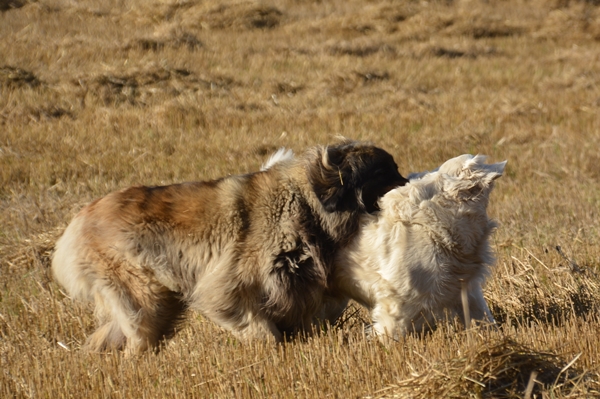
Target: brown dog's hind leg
[157,321]
[133,313]
[107,337]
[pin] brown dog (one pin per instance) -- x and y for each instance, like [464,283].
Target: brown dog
[252,252]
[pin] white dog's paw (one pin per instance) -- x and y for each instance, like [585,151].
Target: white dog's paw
[368,331]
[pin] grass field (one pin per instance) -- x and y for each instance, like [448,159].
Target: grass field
[100,95]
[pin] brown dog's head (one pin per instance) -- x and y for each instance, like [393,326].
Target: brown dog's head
[352,176]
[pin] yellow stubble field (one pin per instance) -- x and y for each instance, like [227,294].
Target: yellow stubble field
[100,95]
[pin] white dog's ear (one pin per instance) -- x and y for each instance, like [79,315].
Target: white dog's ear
[485,173]
[467,176]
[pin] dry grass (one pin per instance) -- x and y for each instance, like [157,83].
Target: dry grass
[95,96]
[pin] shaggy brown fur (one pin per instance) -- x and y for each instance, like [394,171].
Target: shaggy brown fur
[251,252]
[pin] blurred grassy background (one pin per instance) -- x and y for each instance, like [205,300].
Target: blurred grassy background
[96,96]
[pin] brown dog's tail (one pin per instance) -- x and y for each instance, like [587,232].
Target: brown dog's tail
[68,264]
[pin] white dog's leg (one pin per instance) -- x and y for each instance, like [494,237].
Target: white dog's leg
[386,322]
[478,306]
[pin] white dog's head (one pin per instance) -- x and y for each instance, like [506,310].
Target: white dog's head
[451,202]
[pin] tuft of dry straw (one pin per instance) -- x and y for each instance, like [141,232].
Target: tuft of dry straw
[498,368]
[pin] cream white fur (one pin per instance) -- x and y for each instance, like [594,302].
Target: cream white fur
[282,155]
[408,263]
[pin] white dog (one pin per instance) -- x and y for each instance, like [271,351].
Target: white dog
[410,262]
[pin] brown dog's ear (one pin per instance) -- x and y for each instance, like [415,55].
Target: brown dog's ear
[330,176]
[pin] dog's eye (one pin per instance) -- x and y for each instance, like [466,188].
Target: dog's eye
[379,173]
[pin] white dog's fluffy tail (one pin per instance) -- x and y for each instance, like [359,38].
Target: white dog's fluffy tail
[282,155]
